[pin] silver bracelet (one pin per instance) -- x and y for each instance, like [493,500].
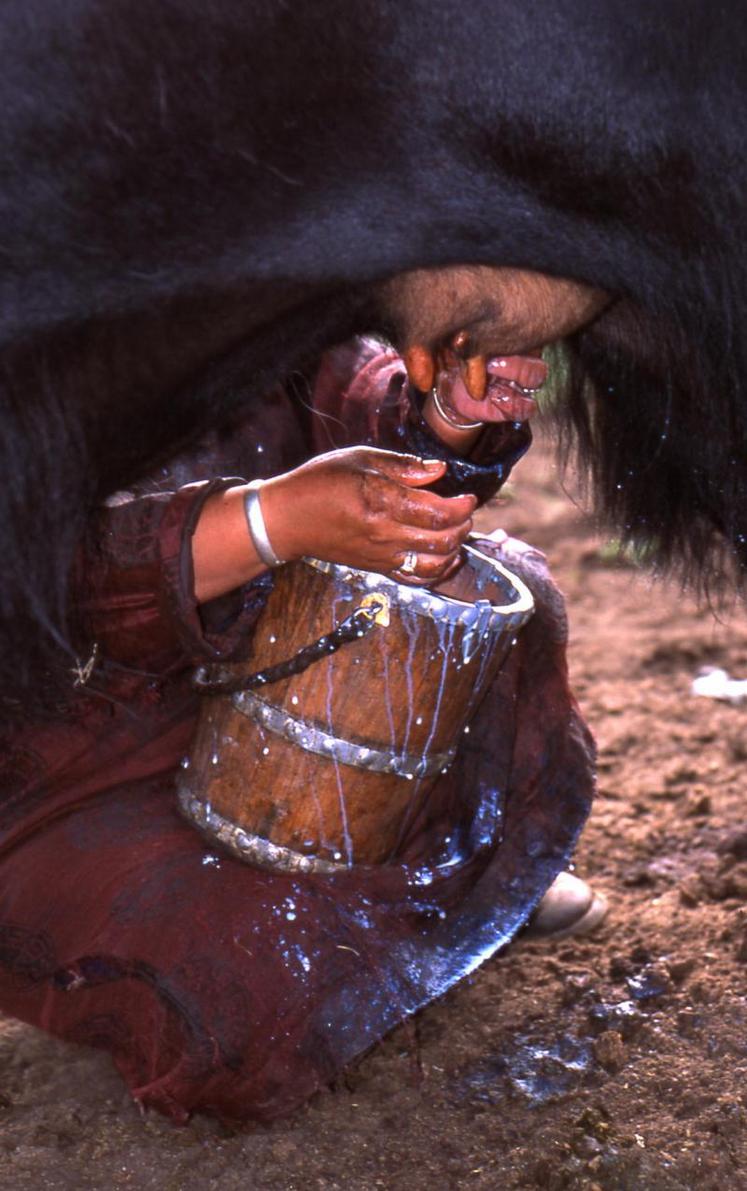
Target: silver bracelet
[449,421]
[257,528]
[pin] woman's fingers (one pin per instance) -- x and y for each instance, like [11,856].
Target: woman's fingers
[406,519]
[426,510]
[432,519]
[509,397]
[404,469]
[428,568]
[441,542]
[387,500]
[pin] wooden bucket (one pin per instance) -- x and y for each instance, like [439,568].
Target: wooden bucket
[318,771]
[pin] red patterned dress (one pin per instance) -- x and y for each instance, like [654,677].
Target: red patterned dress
[216,986]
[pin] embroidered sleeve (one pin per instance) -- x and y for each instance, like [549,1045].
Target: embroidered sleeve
[135,584]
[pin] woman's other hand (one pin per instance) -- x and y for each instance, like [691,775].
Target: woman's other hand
[458,419]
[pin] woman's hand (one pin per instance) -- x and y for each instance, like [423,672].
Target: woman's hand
[366,508]
[360,506]
[458,419]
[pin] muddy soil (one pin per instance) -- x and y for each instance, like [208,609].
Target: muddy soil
[616,1062]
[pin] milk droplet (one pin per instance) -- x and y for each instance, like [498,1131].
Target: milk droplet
[265,751]
[294,699]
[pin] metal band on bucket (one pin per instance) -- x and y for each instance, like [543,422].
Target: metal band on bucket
[315,740]
[245,845]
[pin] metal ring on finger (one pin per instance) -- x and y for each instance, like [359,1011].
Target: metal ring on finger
[410,564]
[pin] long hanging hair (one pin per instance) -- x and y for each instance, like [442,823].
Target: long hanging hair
[195,198]
[656,410]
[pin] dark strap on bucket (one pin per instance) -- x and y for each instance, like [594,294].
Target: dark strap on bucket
[352,628]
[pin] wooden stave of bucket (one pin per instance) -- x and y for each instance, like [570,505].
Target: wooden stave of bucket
[252,782]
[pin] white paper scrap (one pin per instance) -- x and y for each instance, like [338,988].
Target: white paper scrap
[713,683]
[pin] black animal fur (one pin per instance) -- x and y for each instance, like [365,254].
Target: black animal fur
[197,196]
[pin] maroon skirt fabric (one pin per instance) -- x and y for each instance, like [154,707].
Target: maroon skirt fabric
[223,988]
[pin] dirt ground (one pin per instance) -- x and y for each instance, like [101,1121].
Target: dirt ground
[617,1062]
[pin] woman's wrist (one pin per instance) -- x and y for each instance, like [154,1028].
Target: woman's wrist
[257,527]
[446,425]
[283,517]
[223,554]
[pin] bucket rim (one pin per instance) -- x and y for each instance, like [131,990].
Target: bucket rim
[424,601]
